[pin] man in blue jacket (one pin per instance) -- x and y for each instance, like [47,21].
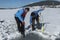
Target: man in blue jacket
[34,16]
[19,17]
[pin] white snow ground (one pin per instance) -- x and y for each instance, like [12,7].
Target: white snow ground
[50,16]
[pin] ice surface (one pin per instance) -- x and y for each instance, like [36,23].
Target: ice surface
[50,16]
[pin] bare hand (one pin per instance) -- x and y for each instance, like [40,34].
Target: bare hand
[23,23]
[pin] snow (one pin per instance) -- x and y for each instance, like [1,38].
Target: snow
[50,16]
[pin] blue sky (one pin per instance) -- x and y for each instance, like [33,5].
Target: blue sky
[15,3]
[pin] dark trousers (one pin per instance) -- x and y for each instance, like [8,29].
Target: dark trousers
[33,21]
[20,26]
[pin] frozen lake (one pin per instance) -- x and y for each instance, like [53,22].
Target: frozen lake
[50,16]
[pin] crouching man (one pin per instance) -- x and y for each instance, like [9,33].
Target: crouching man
[35,16]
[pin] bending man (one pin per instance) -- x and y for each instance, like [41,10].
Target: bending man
[19,17]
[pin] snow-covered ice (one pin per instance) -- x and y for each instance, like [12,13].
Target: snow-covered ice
[50,16]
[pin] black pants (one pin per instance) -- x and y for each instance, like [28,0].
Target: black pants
[33,21]
[21,27]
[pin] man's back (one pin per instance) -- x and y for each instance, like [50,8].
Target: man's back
[20,12]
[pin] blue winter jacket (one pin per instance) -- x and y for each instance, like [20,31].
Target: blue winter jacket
[19,13]
[36,13]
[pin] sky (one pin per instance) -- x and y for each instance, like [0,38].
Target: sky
[16,3]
